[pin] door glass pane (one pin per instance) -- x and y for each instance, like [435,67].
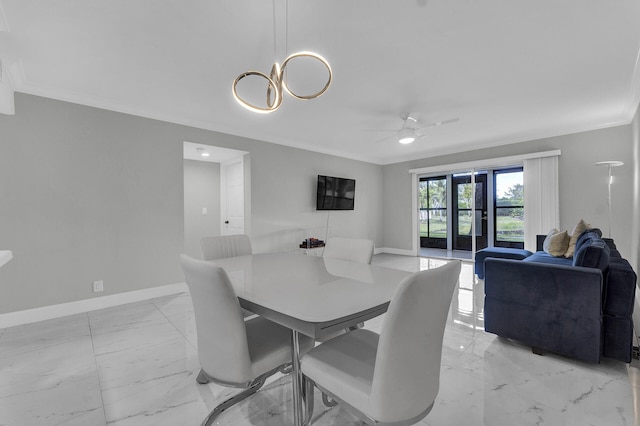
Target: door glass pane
[464,196]
[424,226]
[423,195]
[437,194]
[438,223]
[464,222]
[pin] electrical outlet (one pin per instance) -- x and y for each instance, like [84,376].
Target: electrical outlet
[98,286]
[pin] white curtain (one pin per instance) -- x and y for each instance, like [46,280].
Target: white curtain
[541,198]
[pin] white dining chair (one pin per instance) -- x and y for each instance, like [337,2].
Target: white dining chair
[233,351]
[353,249]
[222,246]
[391,378]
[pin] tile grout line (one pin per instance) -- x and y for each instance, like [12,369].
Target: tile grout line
[173,325]
[95,361]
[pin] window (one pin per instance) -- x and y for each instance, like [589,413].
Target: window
[509,208]
[433,212]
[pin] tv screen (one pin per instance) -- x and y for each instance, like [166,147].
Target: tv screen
[335,193]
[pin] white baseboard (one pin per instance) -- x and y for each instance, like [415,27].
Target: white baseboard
[394,251]
[81,306]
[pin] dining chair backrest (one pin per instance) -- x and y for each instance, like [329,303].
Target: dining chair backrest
[223,349]
[407,369]
[353,249]
[222,246]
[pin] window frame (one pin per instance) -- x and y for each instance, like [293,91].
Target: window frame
[441,240]
[496,208]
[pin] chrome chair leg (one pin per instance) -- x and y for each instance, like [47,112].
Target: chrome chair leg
[328,401]
[202,378]
[252,388]
[308,399]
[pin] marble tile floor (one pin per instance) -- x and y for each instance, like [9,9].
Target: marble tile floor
[136,365]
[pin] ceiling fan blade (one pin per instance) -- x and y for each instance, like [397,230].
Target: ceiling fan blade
[439,123]
[388,138]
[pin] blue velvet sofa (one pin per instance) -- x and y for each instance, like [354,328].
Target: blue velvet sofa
[580,307]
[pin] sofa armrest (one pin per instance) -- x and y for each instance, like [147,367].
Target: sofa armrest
[549,306]
[574,289]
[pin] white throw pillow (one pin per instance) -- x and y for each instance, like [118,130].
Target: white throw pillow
[557,244]
[580,227]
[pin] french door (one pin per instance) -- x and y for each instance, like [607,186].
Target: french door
[462,213]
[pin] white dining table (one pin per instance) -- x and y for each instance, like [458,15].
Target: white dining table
[310,295]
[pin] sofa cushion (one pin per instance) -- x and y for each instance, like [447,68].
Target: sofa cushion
[497,252]
[556,243]
[587,236]
[544,257]
[592,254]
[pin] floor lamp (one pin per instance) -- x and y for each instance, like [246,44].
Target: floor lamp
[609,165]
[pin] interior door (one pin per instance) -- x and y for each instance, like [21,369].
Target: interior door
[462,213]
[232,197]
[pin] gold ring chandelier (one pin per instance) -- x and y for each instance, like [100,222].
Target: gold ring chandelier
[277,81]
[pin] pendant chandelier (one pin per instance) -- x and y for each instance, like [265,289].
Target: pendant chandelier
[277,80]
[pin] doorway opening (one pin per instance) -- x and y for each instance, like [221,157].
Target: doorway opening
[216,193]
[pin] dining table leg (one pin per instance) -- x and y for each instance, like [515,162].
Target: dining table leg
[296,379]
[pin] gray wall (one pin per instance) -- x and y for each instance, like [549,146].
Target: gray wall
[583,186]
[201,190]
[88,194]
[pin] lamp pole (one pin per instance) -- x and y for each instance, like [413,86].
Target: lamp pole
[609,165]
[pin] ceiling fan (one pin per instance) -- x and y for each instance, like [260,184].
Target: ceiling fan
[411,128]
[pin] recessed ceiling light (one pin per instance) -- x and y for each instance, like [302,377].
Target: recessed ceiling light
[202,152]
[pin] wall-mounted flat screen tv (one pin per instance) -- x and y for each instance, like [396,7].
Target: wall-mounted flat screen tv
[335,193]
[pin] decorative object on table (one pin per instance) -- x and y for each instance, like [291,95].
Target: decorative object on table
[609,164]
[310,243]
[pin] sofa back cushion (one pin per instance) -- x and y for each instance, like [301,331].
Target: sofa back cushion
[589,234]
[592,253]
[580,227]
[620,288]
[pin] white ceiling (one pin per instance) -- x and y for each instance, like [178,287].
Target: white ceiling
[511,71]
